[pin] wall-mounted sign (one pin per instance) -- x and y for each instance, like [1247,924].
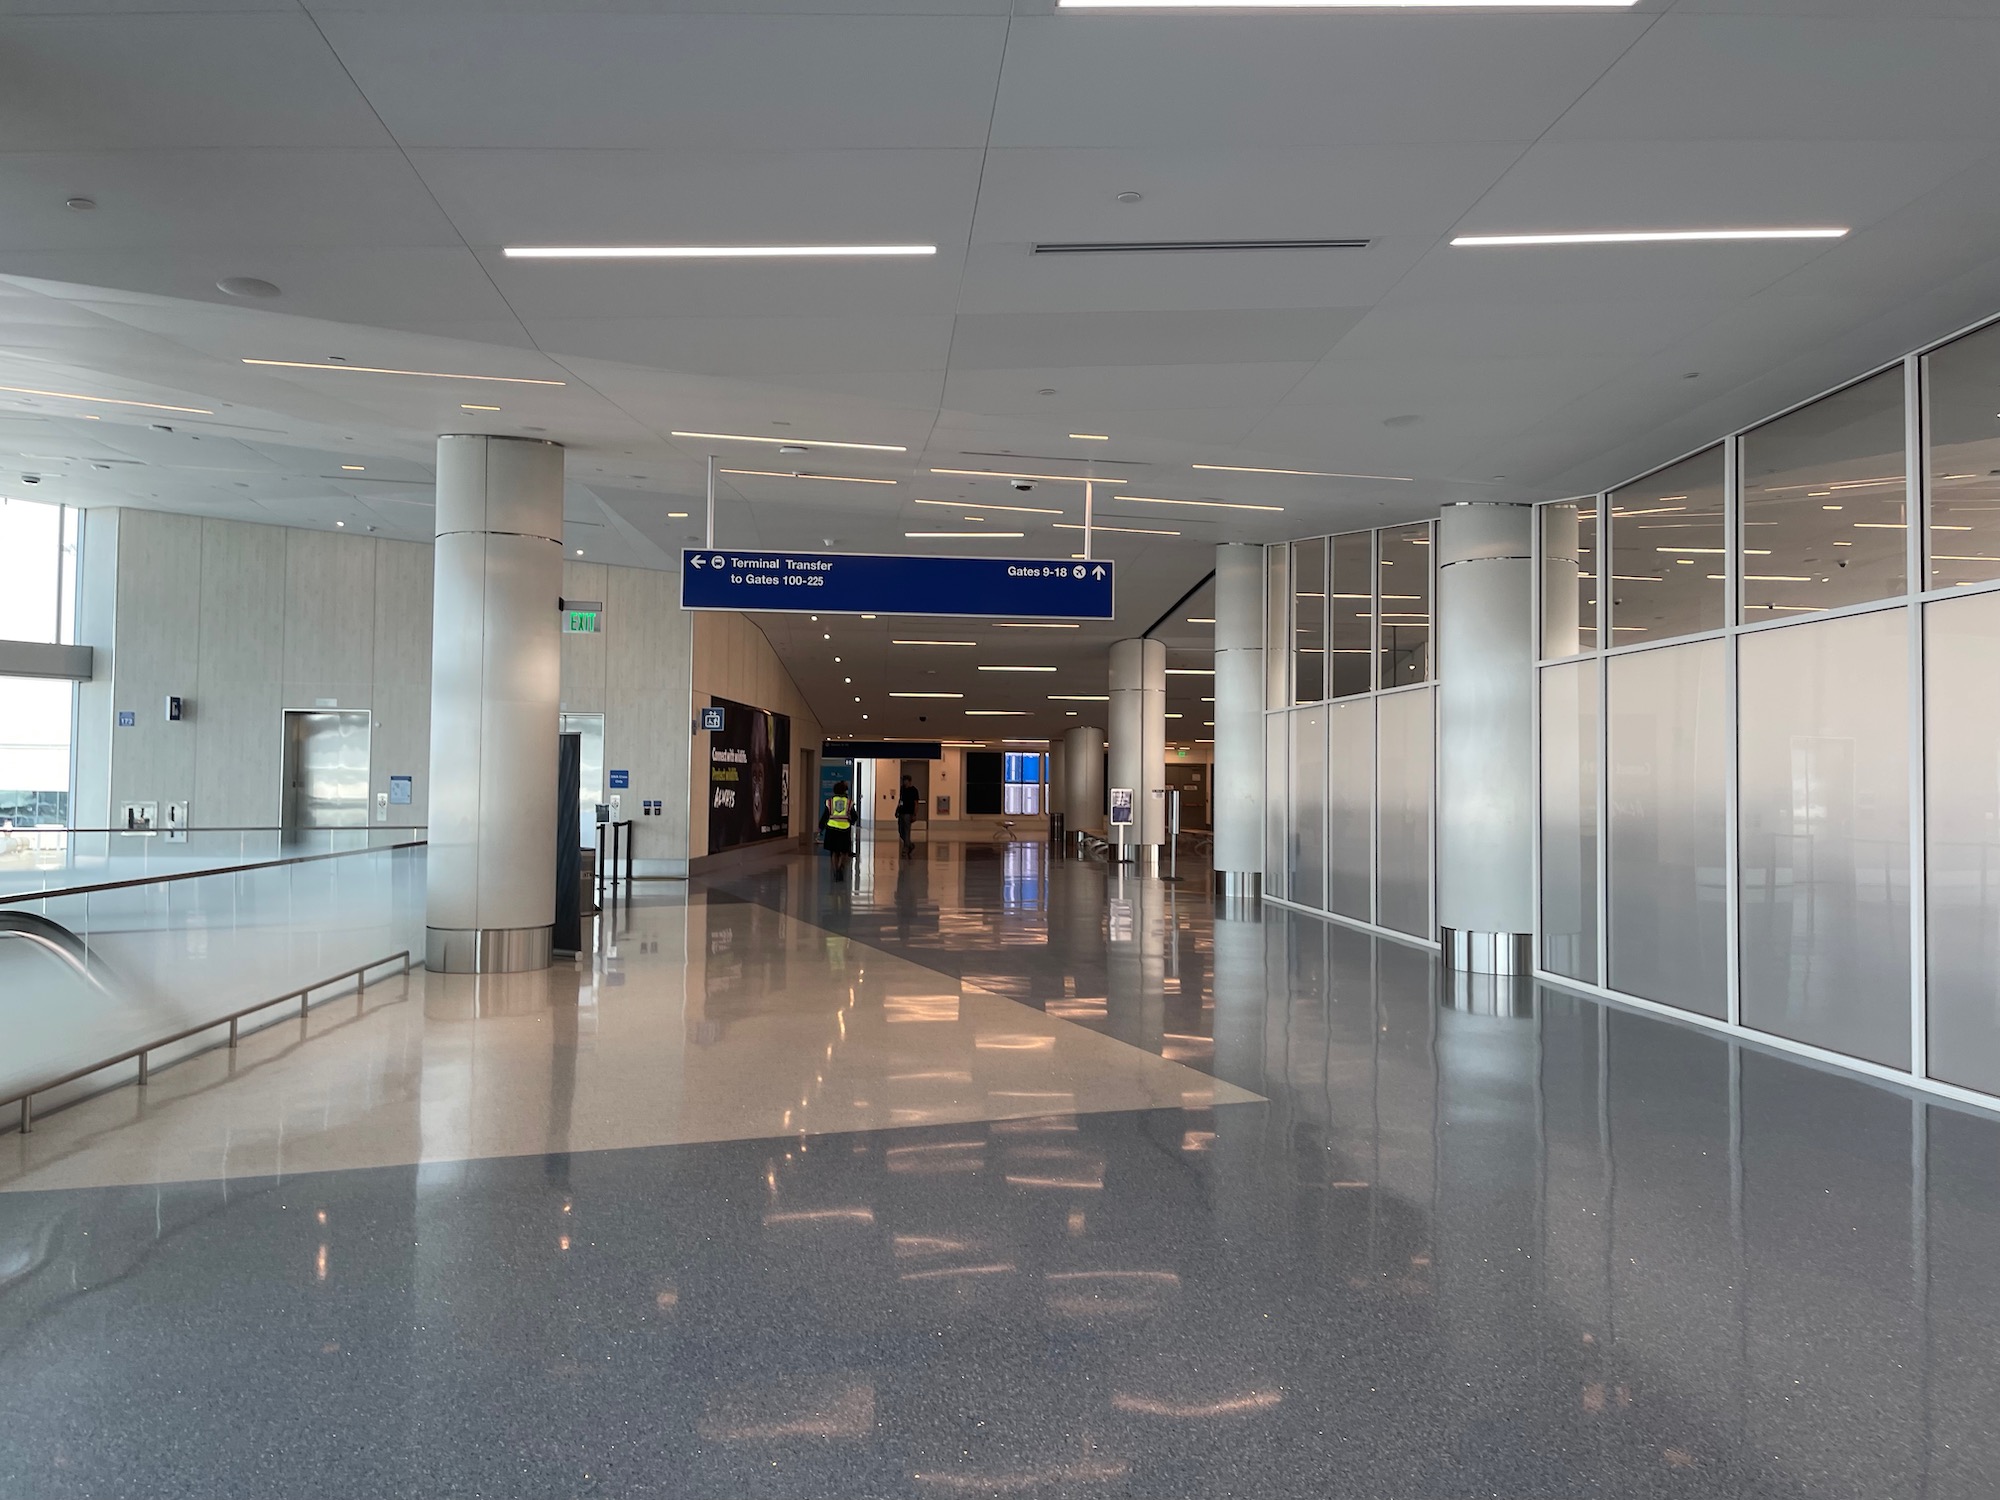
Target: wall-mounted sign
[401,790]
[127,718]
[712,719]
[581,622]
[870,583]
[1121,804]
[620,780]
[749,777]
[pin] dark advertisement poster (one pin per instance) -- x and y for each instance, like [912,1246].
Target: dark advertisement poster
[749,776]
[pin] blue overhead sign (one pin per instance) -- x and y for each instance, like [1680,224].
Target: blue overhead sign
[853,583]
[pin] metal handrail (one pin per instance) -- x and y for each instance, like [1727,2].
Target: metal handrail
[50,893]
[359,975]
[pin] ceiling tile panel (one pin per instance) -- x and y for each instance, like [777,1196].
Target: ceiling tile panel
[1890,76]
[680,82]
[1009,341]
[1204,82]
[169,82]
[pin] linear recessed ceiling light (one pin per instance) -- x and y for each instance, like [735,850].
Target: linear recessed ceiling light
[471,406]
[1190,671]
[787,442]
[310,364]
[927,695]
[1005,474]
[1128,530]
[24,390]
[933,643]
[996,713]
[1091,437]
[706,252]
[1646,237]
[1201,619]
[1032,625]
[1017,669]
[354,468]
[795,474]
[1079,697]
[1211,504]
[1185,247]
[1026,510]
[1345,4]
[1309,473]
[965,533]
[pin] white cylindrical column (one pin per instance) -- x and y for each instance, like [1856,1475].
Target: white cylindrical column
[496,689]
[1485,708]
[1139,742]
[1238,776]
[1083,779]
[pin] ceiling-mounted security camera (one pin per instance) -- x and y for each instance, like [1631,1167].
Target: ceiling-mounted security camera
[1023,484]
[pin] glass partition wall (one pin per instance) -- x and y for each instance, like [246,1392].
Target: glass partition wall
[1350,734]
[1769,729]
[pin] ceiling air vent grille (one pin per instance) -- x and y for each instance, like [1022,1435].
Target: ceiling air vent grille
[1168,247]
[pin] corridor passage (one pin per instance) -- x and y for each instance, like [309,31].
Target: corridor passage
[992,1175]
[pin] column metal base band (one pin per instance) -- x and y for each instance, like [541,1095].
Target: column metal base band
[1239,885]
[1487,952]
[487,950]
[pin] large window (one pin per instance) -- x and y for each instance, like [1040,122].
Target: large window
[1824,512]
[1668,544]
[1962,418]
[38,604]
[1024,781]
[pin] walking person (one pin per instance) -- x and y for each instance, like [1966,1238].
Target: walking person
[906,815]
[836,823]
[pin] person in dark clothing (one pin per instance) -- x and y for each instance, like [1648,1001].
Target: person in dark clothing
[906,814]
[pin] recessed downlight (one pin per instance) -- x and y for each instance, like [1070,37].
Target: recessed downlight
[247,286]
[709,252]
[1644,237]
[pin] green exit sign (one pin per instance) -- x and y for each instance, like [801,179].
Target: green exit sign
[581,622]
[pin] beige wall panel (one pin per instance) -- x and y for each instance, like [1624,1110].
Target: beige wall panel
[237,712]
[584,656]
[159,637]
[646,650]
[329,618]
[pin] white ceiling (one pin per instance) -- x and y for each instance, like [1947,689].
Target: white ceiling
[371,158]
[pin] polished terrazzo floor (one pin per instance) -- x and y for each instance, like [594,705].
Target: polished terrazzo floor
[1582,1253]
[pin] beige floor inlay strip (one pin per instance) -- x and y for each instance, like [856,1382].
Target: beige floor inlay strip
[703,1022]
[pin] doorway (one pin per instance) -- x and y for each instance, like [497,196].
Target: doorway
[589,730]
[326,769]
[918,773]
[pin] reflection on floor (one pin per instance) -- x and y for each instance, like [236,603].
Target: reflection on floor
[1586,1253]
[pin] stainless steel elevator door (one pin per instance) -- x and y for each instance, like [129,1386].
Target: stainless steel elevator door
[590,729]
[326,769]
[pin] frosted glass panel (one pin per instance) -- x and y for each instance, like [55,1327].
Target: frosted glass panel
[1569,820]
[1308,815]
[1963,786]
[1277,802]
[1403,818]
[1669,827]
[1350,803]
[1825,807]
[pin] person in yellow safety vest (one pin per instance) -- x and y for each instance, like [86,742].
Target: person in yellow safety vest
[837,829]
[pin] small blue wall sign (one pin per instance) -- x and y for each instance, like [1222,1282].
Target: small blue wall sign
[621,781]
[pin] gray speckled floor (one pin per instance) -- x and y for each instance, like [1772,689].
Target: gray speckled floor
[1587,1253]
